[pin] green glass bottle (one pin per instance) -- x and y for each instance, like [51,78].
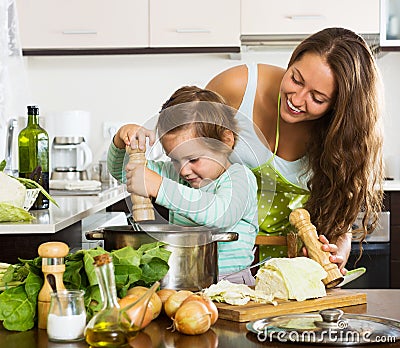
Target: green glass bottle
[33,153]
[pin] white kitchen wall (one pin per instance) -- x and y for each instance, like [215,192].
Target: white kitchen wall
[390,69]
[121,89]
[132,88]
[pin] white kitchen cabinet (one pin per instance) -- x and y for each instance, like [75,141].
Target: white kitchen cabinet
[194,23]
[75,24]
[286,17]
[390,24]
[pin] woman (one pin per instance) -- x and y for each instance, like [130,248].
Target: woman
[316,134]
[316,126]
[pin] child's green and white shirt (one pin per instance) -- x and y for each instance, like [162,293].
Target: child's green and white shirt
[228,203]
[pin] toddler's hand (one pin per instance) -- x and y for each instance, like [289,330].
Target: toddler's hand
[142,181]
[134,135]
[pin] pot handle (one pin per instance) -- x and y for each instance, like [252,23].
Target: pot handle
[225,236]
[95,235]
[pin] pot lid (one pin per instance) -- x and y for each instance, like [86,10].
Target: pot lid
[329,327]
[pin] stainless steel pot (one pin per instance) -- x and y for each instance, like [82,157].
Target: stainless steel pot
[193,264]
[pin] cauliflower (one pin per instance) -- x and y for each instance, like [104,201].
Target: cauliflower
[12,198]
[11,191]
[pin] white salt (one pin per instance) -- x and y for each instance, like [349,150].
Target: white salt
[69,327]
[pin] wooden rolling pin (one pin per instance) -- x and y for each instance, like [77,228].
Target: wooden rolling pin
[300,218]
[142,208]
[52,254]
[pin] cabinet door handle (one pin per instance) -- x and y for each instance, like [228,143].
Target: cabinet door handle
[305,17]
[79,32]
[192,30]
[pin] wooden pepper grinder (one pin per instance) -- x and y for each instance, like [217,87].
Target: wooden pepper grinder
[142,208]
[300,218]
[52,254]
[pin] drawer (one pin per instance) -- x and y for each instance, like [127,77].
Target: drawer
[191,23]
[395,243]
[395,275]
[63,24]
[263,17]
[395,208]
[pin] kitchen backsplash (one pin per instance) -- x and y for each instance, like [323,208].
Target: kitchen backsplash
[132,88]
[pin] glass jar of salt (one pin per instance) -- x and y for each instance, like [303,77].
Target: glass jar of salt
[67,316]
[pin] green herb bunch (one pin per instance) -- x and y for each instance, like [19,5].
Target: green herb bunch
[22,282]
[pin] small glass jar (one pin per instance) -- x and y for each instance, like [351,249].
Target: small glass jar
[67,316]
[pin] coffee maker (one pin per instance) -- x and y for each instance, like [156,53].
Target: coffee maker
[71,156]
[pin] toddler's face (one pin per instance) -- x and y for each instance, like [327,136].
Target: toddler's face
[195,162]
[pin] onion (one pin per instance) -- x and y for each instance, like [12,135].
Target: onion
[136,312]
[155,301]
[192,318]
[163,294]
[212,308]
[174,301]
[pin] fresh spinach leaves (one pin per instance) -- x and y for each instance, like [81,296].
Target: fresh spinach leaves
[18,305]
[144,266]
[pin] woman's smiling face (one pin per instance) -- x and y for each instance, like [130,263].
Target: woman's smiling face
[308,89]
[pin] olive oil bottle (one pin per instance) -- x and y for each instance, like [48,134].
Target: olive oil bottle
[33,154]
[113,326]
[105,329]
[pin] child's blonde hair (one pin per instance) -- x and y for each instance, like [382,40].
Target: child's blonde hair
[200,110]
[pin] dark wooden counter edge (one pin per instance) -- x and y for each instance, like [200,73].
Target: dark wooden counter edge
[25,246]
[389,48]
[124,51]
[224,334]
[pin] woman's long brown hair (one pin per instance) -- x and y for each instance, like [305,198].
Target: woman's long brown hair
[345,152]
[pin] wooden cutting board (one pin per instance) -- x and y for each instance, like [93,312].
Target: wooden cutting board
[335,298]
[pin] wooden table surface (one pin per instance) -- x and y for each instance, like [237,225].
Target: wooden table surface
[224,334]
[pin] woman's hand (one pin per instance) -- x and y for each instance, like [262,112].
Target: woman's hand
[142,181]
[133,135]
[339,252]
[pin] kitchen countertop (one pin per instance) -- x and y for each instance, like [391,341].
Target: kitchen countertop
[224,333]
[71,209]
[74,208]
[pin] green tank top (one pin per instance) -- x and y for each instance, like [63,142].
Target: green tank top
[277,197]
